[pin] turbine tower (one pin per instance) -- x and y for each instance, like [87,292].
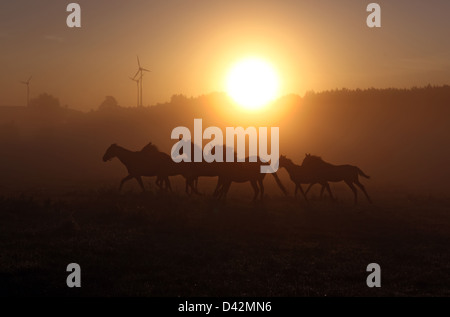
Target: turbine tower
[137,85]
[28,89]
[140,75]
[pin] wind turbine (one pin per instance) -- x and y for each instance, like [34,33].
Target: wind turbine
[140,72]
[137,85]
[28,89]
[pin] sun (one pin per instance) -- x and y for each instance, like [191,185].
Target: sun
[252,83]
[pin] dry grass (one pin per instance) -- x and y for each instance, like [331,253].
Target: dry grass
[173,245]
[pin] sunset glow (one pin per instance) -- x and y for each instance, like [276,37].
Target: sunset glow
[252,83]
[241,152]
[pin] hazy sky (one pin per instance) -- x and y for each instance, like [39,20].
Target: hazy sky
[189,46]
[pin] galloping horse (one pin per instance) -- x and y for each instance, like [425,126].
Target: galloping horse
[227,172]
[191,170]
[166,166]
[241,172]
[327,172]
[138,164]
[301,175]
[151,162]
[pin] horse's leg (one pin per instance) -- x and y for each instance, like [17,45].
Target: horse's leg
[159,183]
[279,183]
[255,189]
[327,186]
[364,191]
[225,189]
[187,186]
[123,181]
[218,187]
[321,192]
[309,188]
[167,182]
[261,186]
[303,193]
[353,188]
[193,187]
[190,185]
[163,183]
[139,180]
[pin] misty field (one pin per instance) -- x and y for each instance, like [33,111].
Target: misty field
[95,105]
[169,244]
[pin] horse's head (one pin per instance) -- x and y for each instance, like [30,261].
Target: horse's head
[150,149]
[282,161]
[307,159]
[311,160]
[110,153]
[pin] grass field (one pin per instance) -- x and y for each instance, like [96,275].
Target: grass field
[173,245]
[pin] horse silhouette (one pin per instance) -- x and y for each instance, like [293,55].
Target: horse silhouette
[193,170]
[139,163]
[240,172]
[327,172]
[302,175]
[165,165]
[191,178]
[218,191]
[151,162]
[227,172]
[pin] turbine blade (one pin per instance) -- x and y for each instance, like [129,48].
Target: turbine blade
[146,70]
[139,62]
[29,79]
[136,73]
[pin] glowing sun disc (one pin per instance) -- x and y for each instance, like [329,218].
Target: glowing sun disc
[252,83]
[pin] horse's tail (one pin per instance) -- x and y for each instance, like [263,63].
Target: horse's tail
[360,172]
[279,183]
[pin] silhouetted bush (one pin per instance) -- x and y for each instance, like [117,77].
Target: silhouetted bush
[110,103]
[45,102]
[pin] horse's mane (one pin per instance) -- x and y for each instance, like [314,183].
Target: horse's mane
[150,148]
[289,161]
[117,146]
[316,158]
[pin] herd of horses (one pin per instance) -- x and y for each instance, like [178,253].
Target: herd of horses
[151,162]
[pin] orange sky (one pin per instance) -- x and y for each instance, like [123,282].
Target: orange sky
[190,45]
